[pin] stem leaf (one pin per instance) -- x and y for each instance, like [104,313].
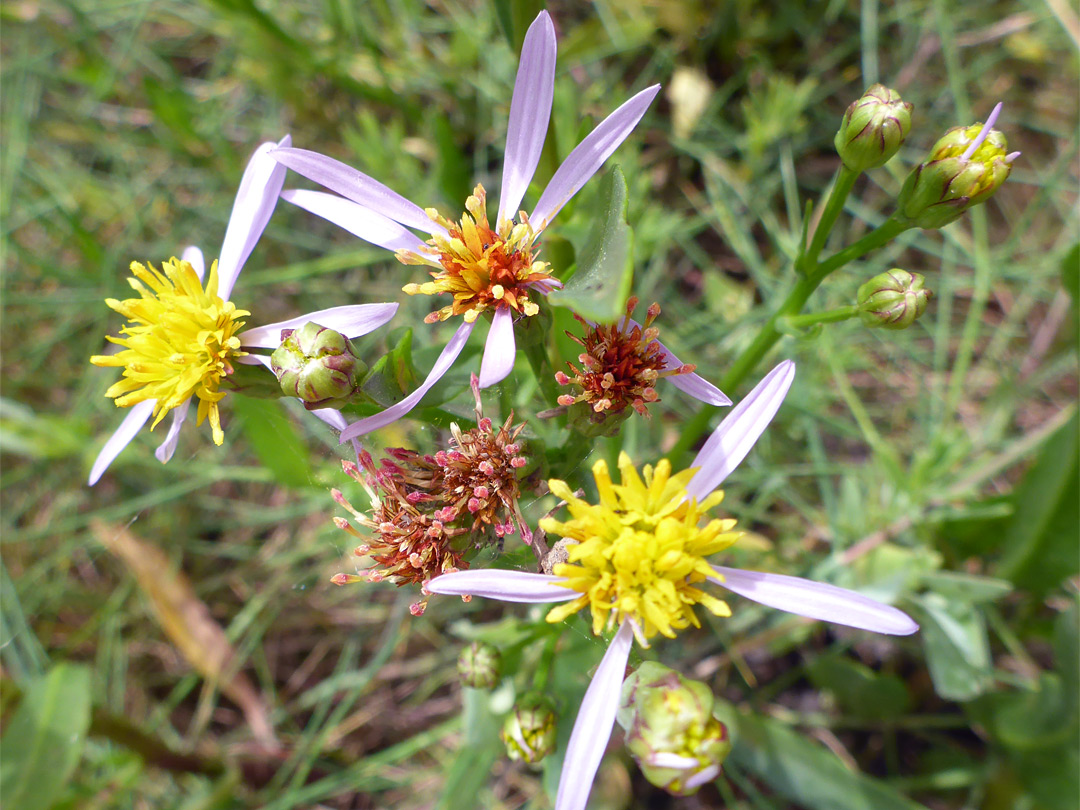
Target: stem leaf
[599,288]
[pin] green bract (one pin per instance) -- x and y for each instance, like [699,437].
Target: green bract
[529,729]
[954,177]
[893,299]
[318,366]
[874,128]
[479,665]
[670,729]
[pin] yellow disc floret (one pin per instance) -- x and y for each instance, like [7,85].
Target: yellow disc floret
[481,267]
[180,342]
[639,554]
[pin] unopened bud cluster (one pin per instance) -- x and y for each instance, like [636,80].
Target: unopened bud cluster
[893,299]
[670,729]
[874,128]
[963,169]
[620,365]
[429,510]
[318,366]
[529,730]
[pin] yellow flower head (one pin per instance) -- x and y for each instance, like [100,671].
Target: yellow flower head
[639,554]
[180,342]
[481,267]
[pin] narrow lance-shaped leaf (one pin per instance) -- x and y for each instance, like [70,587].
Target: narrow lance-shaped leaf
[804,771]
[601,285]
[43,741]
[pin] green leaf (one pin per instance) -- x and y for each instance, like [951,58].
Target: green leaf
[470,770]
[1067,652]
[859,690]
[454,179]
[1052,780]
[34,434]
[1044,716]
[804,771]
[957,647]
[393,375]
[514,17]
[600,286]
[44,740]
[274,440]
[1035,718]
[1040,548]
[1070,273]
[966,587]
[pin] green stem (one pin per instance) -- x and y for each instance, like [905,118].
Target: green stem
[813,318]
[845,180]
[547,658]
[769,334]
[886,232]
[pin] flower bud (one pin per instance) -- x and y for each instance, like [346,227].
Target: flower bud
[893,299]
[529,729]
[873,129]
[670,729]
[479,665]
[318,366]
[964,168]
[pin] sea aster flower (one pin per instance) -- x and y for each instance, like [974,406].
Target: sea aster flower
[637,560]
[485,268]
[183,338]
[429,511]
[621,364]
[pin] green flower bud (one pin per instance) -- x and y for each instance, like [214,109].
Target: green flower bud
[479,665]
[873,129]
[964,168]
[318,366]
[893,299]
[670,729]
[529,729]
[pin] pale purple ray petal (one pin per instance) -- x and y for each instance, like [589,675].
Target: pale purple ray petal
[701,777]
[983,133]
[666,759]
[499,350]
[369,225]
[337,421]
[358,187]
[398,410]
[734,437]
[816,600]
[255,201]
[168,447]
[697,387]
[256,360]
[507,586]
[352,321]
[120,439]
[589,155]
[592,729]
[530,110]
[193,256]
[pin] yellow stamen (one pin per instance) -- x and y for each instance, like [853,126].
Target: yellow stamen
[639,554]
[481,267]
[180,342]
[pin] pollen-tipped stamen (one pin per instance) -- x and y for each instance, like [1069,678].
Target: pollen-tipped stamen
[482,268]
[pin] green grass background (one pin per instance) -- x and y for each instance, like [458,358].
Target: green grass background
[950,447]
